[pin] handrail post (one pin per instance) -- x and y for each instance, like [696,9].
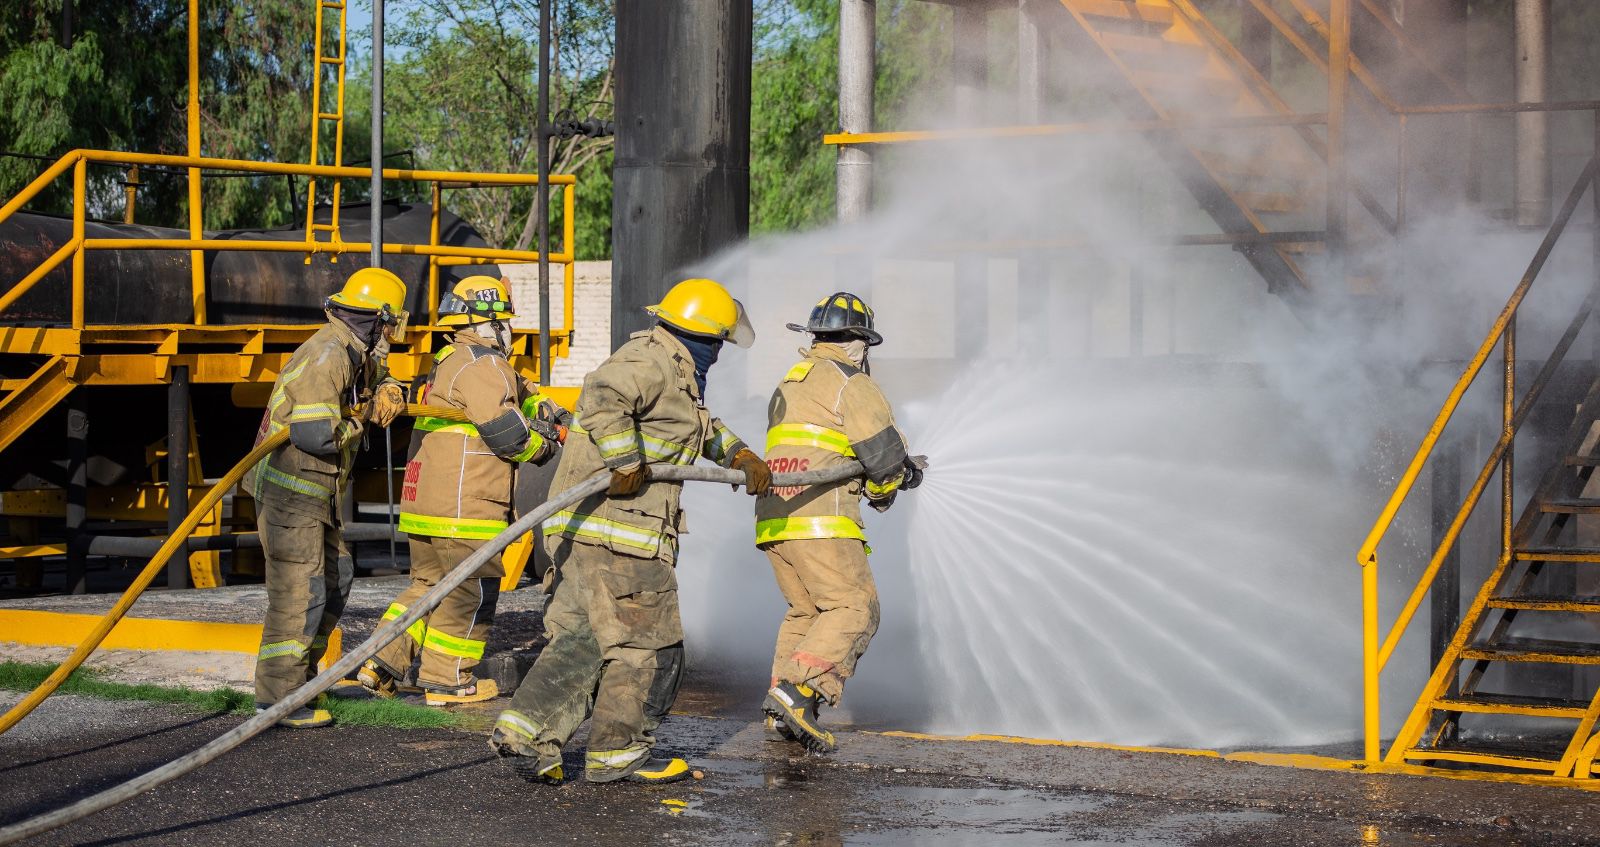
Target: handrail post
[197,258]
[433,261]
[80,199]
[1372,711]
[1509,432]
[1338,165]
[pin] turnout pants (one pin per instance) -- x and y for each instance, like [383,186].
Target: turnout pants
[308,581]
[451,639]
[615,651]
[833,611]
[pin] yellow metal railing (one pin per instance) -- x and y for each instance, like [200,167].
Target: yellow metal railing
[1503,334]
[438,254]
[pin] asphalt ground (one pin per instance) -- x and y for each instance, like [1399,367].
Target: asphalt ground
[352,786]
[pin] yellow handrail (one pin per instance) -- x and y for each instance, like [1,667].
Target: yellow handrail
[1375,655]
[157,565]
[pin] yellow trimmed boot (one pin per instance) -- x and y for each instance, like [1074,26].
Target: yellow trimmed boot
[377,680]
[796,706]
[476,691]
[304,717]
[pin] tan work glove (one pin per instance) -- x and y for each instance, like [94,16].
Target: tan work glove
[387,403]
[757,476]
[626,481]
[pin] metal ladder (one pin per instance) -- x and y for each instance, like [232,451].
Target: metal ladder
[320,117]
[1484,640]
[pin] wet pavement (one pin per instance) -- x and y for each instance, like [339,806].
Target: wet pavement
[387,787]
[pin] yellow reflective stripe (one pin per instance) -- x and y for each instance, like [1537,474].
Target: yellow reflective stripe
[430,424]
[721,441]
[278,649]
[877,490]
[617,444]
[313,412]
[665,451]
[516,722]
[798,372]
[413,524]
[809,435]
[790,529]
[450,645]
[535,444]
[293,483]
[443,354]
[605,531]
[614,758]
[417,630]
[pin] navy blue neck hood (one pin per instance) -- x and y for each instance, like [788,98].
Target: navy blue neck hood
[702,349]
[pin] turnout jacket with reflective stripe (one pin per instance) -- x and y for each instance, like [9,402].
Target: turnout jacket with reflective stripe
[641,404]
[459,476]
[321,380]
[824,413]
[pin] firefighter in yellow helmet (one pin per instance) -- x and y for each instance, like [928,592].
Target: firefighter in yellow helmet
[616,641]
[827,411]
[341,367]
[458,490]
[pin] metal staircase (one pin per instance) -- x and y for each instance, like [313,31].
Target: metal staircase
[29,399]
[1507,603]
[1268,180]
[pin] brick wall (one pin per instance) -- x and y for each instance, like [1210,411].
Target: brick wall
[591,333]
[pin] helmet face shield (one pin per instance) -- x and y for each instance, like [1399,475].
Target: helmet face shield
[742,334]
[397,323]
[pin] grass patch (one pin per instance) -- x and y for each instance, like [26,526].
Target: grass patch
[88,682]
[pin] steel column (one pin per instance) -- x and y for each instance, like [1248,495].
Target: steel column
[969,61]
[1033,267]
[1532,24]
[1338,174]
[542,193]
[857,64]
[178,468]
[77,491]
[376,201]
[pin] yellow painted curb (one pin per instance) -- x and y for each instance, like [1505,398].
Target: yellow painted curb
[58,629]
[1283,760]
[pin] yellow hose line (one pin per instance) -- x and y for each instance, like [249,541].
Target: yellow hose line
[157,565]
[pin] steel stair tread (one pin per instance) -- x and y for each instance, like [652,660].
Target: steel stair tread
[1487,753]
[1571,506]
[1582,461]
[1548,602]
[1513,704]
[1137,10]
[1536,650]
[1558,554]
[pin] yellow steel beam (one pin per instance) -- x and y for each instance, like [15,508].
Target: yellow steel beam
[59,629]
[264,246]
[145,502]
[475,178]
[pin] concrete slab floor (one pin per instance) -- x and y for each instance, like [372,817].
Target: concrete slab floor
[384,787]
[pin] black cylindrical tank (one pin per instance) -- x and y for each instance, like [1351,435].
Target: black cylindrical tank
[152,286]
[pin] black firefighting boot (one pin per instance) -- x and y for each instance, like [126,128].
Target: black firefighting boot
[796,706]
[533,768]
[304,717]
[649,770]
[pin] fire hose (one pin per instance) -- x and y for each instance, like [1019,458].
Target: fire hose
[381,637]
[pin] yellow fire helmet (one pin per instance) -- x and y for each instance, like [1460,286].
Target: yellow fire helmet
[476,299]
[376,290]
[704,307]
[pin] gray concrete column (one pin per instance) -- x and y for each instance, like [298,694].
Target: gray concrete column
[1532,23]
[857,64]
[681,183]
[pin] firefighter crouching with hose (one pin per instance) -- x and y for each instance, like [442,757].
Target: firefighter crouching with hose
[308,574]
[457,493]
[616,639]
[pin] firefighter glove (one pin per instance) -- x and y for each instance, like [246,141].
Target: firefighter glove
[883,503]
[757,476]
[546,430]
[387,403]
[627,480]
